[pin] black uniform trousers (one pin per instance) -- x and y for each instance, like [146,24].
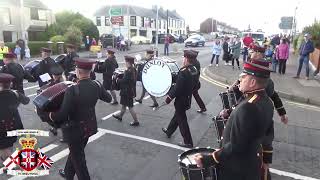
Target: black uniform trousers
[76,163]
[198,99]
[179,119]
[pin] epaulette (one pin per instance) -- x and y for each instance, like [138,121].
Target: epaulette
[254,98]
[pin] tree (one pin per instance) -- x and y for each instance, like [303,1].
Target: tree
[73,35]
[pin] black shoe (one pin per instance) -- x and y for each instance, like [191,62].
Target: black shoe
[181,144]
[135,123]
[115,103]
[155,105]
[53,131]
[239,67]
[166,132]
[62,140]
[201,110]
[117,117]
[62,173]
[139,101]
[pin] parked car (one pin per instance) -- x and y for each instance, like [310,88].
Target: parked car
[161,38]
[108,40]
[140,40]
[195,40]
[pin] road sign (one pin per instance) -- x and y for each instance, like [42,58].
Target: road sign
[118,20]
[286,22]
[115,11]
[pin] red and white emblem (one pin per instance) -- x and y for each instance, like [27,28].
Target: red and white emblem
[28,159]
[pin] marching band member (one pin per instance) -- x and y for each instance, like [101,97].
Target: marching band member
[16,70]
[45,65]
[110,66]
[128,91]
[77,114]
[149,57]
[68,64]
[9,114]
[182,93]
[248,124]
[195,93]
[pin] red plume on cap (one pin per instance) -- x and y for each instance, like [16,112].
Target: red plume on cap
[257,68]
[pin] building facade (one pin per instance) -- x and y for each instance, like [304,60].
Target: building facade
[138,21]
[212,25]
[28,20]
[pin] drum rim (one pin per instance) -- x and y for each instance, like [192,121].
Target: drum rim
[196,150]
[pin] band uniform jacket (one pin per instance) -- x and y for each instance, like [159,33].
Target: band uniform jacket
[187,80]
[128,83]
[9,115]
[77,113]
[267,147]
[110,66]
[69,64]
[245,129]
[45,67]
[18,72]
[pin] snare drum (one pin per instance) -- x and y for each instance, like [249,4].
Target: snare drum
[189,169]
[32,68]
[117,74]
[225,100]
[100,66]
[219,124]
[60,59]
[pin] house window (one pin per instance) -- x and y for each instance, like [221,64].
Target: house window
[159,24]
[42,14]
[7,36]
[107,21]
[142,21]
[34,14]
[133,21]
[98,20]
[5,15]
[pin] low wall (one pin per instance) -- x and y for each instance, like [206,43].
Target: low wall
[314,57]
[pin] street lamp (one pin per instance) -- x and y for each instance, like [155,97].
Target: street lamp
[295,22]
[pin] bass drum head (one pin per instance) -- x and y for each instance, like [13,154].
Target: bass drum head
[156,78]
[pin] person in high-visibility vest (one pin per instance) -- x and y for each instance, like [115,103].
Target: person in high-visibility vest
[3,50]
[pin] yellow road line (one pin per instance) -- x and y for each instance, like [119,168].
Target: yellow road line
[292,103]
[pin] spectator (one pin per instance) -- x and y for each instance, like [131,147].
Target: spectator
[305,49]
[269,53]
[94,42]
[87,43]
[166,45]
[3,50]
[283,55]
[226,51]
[275,60]
[17,51]
[247,41]
[236,52]
[216,52]
[22,45]
[27,52]
[275,40]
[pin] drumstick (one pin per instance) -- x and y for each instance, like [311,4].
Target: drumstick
[163,104]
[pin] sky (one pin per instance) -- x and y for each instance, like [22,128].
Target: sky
[258,14]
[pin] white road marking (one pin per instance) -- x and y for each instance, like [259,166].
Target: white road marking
[31,95]
[31,87]
[292,175]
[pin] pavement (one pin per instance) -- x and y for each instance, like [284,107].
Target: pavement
[297,90]
[121,152]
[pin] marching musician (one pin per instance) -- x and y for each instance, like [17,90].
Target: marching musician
[128,91]
[110,66]
[68,63]
[9,114]
[182,93]
[248,124]
[78,118]
[57,77]
[16,70]
[149,57]
[45,65]
[195,92]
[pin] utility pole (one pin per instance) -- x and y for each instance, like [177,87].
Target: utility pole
[157,29]
[128,14]
[295,23]
[23,33]
[167,21]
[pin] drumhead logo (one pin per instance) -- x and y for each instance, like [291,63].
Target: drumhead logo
[28,160]
[156,77]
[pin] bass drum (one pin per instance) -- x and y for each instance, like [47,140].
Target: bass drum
[174,68]
[189,169]
[100,67]
[32,68]
[117,74]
